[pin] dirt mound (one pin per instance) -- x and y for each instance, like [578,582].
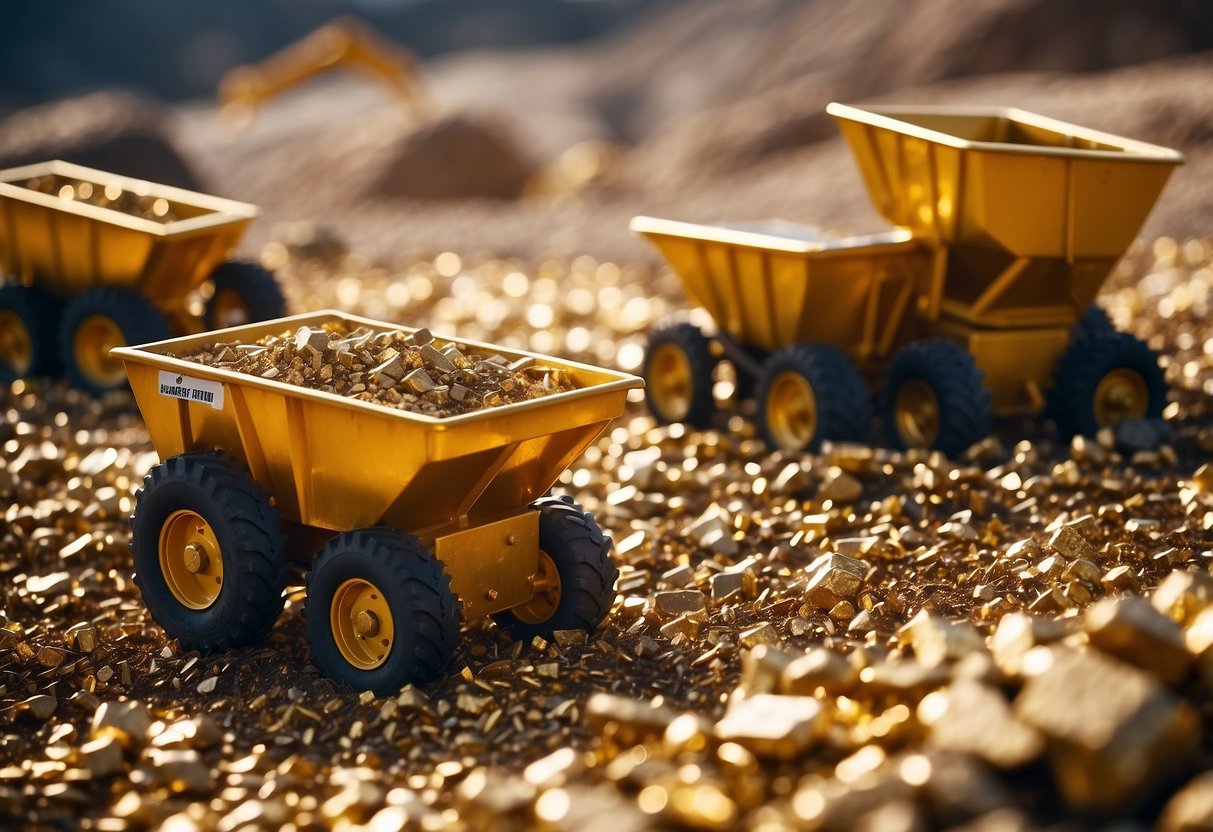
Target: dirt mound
[113,131]
[684,58]
[872,47]
[461,156]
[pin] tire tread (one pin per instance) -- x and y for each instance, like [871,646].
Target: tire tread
[433,610]
[587,574]
[258,289]
[138,318]
[263,563]
[966,414]
[697,348]
[39,310]
[1069,401]
[844,407]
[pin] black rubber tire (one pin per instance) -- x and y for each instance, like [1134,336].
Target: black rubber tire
[965,414]
[1095,321]
[425,611]
[1086,362]
[844,407]
[254,285]
[582,556]
[135,316]
[697,349]
[39,312]
[245,525]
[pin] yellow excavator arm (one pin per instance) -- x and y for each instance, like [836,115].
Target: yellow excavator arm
[346,42]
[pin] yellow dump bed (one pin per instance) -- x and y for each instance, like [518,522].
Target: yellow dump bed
[339,463]
[1002,177]
[57,231]
[1005,219]
[776,283]
[1028,213]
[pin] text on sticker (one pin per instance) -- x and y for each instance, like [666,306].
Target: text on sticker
[203,391]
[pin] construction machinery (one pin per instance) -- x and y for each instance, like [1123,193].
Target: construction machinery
[93,260]
[346,42]
[978,303]
[415,520]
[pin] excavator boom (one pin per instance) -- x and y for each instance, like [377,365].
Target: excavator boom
[346,42]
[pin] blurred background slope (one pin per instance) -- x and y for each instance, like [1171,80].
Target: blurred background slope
[555,120]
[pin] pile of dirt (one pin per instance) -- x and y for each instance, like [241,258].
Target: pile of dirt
[462,156]
[682,59]
[113,131]
[887,50]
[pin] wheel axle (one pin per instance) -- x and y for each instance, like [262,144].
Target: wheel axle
[196,559]
[366,623]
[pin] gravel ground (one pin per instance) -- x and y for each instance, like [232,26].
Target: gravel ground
[854,639]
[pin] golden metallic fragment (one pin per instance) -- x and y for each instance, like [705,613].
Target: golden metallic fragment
[1133,630]
[1112,713]
[973,718]
[783,727]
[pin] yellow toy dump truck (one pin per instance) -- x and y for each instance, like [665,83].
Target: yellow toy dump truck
[411,514]
[95,260]
[979,303]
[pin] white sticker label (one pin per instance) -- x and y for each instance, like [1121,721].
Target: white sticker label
[191,389]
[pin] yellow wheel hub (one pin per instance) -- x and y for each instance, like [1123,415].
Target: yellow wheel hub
[362,624]
[95,337]
[671,382]
[228,309]
[791,411]
[546,586]
[190,559]
[16,342]
[1122,394]
[916,414]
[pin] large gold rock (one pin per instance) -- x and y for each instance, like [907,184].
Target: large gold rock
[834,578]
[937,641]
[1134,631]
[783,727]
[1183,594]
[975,718]
[1115,732]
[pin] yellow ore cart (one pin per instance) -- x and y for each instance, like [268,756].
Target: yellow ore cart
[978,303]
[413,520]
[92,260]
